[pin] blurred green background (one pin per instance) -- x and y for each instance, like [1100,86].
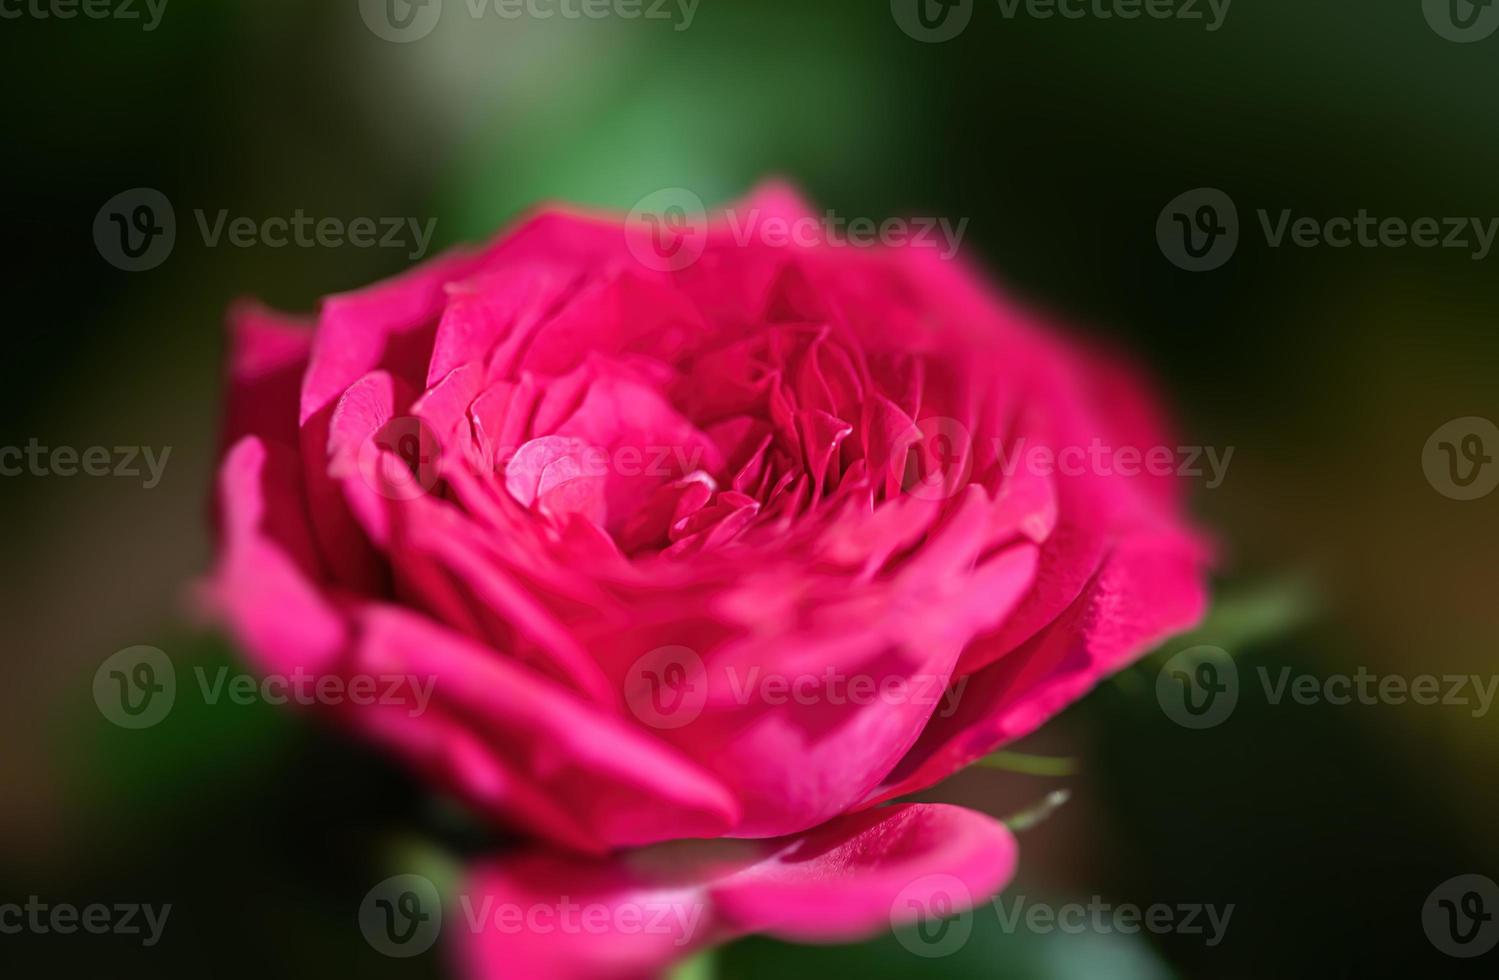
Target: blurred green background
[1061,141]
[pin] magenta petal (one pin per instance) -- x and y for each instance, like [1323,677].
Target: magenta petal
[853,876]
[1149,588]
[264,585]
[626,786]
[267,355]
[529,915]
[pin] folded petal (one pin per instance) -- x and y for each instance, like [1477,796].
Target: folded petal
[546,914]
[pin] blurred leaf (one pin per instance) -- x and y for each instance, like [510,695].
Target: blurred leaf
[1030,765]
[700,967]
[1030,817]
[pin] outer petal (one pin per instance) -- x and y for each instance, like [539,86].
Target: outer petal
[1149,588]
[620,784]
[634,915]
[265,584]
[267,355]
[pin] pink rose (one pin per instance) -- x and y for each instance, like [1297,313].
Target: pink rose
[741,549]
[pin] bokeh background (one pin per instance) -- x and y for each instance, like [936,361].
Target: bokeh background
[1060,141]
